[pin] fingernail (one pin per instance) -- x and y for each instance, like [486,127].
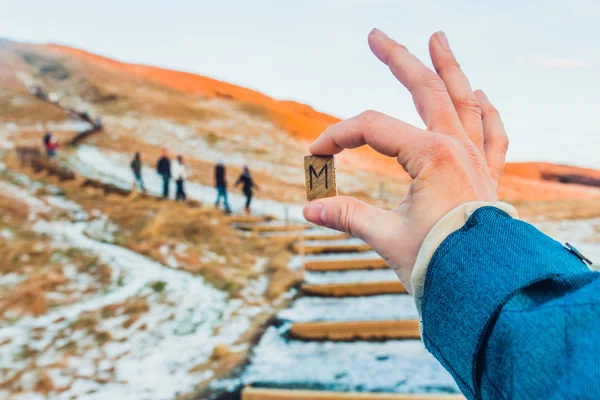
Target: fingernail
[315,213]
[377,32]
[482,94]
[442,40]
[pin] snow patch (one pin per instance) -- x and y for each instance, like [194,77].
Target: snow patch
[367,308]
[392,366]
[35,205]
[352,276]
[150,358]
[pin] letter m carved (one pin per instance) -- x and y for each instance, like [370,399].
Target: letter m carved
[317,175]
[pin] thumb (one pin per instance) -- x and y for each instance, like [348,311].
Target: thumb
[375,226]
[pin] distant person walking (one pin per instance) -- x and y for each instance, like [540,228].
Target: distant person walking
[221,185]
[163,167]
[50,144]
[136,168]
[46,140]
[248,186]
[179,174]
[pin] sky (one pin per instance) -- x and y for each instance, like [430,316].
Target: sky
[538,61]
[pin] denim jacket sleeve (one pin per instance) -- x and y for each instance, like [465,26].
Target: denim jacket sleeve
[511,313]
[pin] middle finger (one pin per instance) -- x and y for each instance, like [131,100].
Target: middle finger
[464,100]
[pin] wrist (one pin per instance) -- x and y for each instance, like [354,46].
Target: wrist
[449,223]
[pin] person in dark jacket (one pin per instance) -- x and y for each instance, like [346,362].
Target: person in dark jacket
[163,167]
[221,185]
[47,137]
[136,167]
[50,151]
[248,186]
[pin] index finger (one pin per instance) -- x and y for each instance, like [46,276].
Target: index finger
[426,87]
[386,135]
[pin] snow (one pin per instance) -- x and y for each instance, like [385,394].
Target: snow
[169,258]
[260,264]
[35,205]
[296,262]
[367,308]
[583,234]
[74,209]
[10,280]
[6,234]
[5,144]
[101,229]
[154,362]
[6,131]
[113,167]
[352,276]
[256,289]
[392,366]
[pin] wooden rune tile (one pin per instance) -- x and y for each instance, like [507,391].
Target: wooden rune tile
[319,177]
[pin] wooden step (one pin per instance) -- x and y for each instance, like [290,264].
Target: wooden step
[354,289]
[306,236]
[331,248]
[332,236]
[356,330]
[272,227]
[341,265]
[242,219]
[250,393]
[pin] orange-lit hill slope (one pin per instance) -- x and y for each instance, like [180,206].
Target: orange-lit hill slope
[521,181]
[300,120]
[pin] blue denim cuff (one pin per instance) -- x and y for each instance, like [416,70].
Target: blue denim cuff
[473,273]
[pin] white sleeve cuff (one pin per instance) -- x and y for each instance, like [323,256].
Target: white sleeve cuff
[448,224]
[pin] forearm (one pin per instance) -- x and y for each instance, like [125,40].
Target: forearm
[546,342]
[476,290]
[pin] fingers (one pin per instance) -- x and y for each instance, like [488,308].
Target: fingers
[494,136]
[428,90]
[383,133]
[464,100]
[375,226]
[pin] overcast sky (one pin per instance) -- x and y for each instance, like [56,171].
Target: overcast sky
[538,62]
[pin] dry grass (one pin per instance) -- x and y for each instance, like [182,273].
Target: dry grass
[30,256]
[559,210]
[197,239]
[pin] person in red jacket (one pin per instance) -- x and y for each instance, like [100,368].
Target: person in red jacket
[51,144]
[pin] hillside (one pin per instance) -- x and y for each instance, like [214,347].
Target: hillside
[109,291]
[145,107]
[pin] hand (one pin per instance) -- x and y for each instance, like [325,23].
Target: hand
[458,159]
